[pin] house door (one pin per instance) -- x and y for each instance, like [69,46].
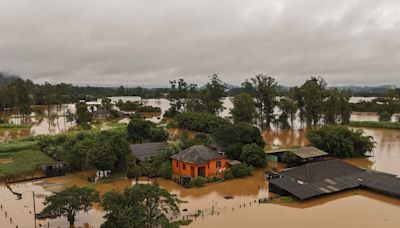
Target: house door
[202,171]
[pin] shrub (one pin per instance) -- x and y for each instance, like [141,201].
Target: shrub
[213,179]
[376,124]
[241,170]
[165,170]
[170,113]
[149,109]
[128,106]
[228,175]
[385,116]
[341,141]
[253,155]
[198,182]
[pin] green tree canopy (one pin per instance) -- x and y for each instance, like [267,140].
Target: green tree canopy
[232,137]
[243,108]
[340,141]
[142,205]
[140,131]
[254,155]
[82,113]
[69,202]
[264,90]
[203,122]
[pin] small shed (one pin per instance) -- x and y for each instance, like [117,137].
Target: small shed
[296,156]
[145,151]
[233,162]
[55,169]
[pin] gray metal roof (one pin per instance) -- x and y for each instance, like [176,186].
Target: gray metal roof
[234,162]
[277,151]
[198,155]
[308,152]
[145,151]
[318,171]
[331,176]
[302,152]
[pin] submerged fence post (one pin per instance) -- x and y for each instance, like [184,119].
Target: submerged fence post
[34,207]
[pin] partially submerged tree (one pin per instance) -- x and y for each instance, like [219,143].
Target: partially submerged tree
[212,95]
[243,108]
[232,137]
[340,141]
[142,205]
[264,90]
[254,155]
[69,202]
[82,113]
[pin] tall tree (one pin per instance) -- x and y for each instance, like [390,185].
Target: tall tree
[288,110]
[264,90]
[179,94]
[82,113]
[314,93]
[212,95]
[142,205]
[243,108]
[101,156]
[336,107]
[69,202]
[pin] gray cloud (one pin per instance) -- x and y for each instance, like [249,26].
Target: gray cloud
[150,42]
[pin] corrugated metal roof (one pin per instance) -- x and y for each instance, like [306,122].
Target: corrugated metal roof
[331,176]
[302,152]
[308,152]
[145,151]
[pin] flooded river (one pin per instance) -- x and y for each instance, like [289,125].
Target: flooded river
[232,203]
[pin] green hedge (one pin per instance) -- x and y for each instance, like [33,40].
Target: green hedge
[14,126]
[14,146]
[376,124]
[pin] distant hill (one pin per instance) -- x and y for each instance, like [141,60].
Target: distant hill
[368,91]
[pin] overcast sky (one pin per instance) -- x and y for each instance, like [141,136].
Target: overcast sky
[149,42]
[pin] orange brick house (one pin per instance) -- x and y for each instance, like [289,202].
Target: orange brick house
[198,160]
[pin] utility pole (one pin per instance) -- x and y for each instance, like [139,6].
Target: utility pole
[34,207]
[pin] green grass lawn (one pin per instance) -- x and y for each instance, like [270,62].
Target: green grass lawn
[14,126]
[22,162]
[376,124]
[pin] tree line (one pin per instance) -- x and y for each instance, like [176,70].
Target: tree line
[386,106]
[263,102]
[20,95]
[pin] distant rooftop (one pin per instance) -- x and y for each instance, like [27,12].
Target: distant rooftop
[198,155]
[145,151]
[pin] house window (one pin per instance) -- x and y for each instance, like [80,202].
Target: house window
[183,166]
[177,164]
[218,164]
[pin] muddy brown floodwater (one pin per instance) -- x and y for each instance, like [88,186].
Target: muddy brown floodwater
[232,203]
[356,208]
[43,120]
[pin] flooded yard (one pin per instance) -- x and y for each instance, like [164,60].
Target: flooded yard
[232,203]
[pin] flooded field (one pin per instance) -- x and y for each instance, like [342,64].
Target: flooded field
[48,120]
[233,203]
